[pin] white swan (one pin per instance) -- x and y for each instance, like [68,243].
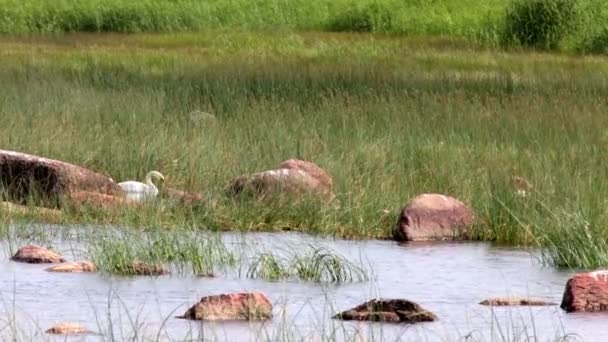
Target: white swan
[137,191]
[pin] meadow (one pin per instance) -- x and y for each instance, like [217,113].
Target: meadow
[388,116]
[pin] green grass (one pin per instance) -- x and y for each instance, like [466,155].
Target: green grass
[388,117]
[316,264]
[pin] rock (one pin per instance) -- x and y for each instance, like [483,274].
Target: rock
[433,217]
[98,200]
[388,310]
[515,301]
[142,268]
[586,292]
[67,329]
[234,306]
[74,267]
[23,176]
[292,177]
[13,208]
[184,197]
[36,255]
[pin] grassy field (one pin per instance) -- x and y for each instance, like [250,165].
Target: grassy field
[485,21]
[389,117]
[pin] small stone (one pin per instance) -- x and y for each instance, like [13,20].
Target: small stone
[36,255]
[515,301]
[67,329]
[74,267]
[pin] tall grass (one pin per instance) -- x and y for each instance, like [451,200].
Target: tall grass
[388,117]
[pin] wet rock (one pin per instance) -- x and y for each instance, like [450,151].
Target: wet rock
[233,306]
[515,301]
[68,329]
[388,310]
[293,177]
[586,292]
[184,197]
[74,267]
[23,176]
[431,217]
[18,209]
[142,268]
[36,255]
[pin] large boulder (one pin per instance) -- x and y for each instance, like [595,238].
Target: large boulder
[233,306]
[23,176]
[515,301]
[388,310]
[586,292]
[74,267]
[292,177]
[431,217]
[33,254]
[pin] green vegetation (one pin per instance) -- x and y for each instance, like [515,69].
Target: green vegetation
[568,24]
[316,264]
[117,254]
[388,117]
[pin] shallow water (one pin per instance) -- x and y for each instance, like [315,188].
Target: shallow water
[449,279]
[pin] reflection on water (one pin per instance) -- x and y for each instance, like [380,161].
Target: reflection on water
[446,278]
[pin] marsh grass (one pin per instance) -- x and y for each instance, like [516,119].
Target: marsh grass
[315,264]
[200,254]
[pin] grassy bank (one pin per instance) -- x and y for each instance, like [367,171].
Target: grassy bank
[476,20]
[388,117]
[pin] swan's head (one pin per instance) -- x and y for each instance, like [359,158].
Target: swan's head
[155,174]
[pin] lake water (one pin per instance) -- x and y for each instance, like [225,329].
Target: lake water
[449,279]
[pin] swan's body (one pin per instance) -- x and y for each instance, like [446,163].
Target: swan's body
[137,191]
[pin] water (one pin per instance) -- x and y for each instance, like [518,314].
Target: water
[449,279]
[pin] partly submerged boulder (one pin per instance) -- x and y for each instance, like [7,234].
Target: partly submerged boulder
[586,292]
[293,177]
[515,301]
[36,255]
[388,310]
[233,306]
[74,267]
[431,217]
[67,328]
[148,269]
[23,176]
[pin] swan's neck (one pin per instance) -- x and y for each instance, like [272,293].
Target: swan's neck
[148,181]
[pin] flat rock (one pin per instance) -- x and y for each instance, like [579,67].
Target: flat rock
[292,177]
[586,292]
[74,267]
[388,310]
[36,255]
[13,208]
[67,329]
[233,306]
[432,217]
[184,197]
[99,200]
[23,176]
[515,301]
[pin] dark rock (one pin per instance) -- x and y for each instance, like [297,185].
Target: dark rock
[388,310]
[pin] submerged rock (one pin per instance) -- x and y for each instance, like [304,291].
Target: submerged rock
[515,301]
[68,329]
[233,306]
[74,267]
[293,177]
[586,292]
[36,255]
[431,217]
[23,176]
[142,268]
[388,310]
